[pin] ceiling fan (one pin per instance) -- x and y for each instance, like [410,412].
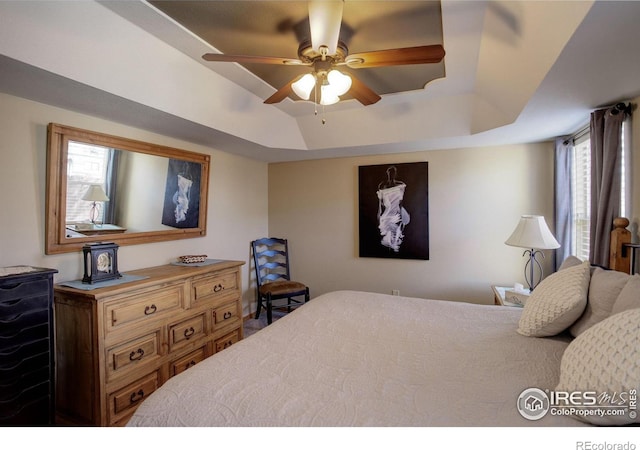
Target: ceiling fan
[324,53]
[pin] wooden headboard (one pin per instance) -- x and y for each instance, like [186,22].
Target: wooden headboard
[621,251]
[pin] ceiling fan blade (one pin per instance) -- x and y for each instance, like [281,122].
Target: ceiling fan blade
[281,93]
[325,19]
[219,57]
[363,93]
[426,54]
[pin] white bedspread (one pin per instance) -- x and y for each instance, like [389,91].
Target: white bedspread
[362,359]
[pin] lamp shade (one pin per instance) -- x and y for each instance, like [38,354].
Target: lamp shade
[532,232]
[95,193]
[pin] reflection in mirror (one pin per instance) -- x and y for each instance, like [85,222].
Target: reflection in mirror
[134,192]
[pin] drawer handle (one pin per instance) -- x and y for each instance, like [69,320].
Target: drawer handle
[227,315]
[137,396]
[189,332]
[148,310]
[218,287]
[228,344]
[191,363]
[137,355]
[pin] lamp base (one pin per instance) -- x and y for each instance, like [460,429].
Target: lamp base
[94,213]
[529,268]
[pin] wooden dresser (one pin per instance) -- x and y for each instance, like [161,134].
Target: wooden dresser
[115,345]
[26,347]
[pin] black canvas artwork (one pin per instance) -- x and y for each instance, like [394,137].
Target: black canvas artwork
[394,211]
[182,194]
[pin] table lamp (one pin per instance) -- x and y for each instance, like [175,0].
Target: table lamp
[533,234]
[95,194]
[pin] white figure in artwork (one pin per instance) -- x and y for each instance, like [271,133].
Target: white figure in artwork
[181,198]
[392,217]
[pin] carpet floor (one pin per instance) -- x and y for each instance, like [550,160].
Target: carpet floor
[252,326]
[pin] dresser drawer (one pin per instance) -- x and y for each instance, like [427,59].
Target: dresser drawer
[133,354]
[225,315]
[23,397]
[15,315]
[187,331]
[10,292]
[227,341]
[23,356]
[144,307]
[126,400]
[209,288]
[187,361]
[10,336]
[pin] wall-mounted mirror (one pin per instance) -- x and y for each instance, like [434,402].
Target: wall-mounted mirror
[107,188]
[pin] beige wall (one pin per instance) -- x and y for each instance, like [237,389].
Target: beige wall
[237,196]
[476,197]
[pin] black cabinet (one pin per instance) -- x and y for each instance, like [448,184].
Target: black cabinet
[26,347]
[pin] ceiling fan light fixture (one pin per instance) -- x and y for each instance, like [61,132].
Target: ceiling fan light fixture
[340,82]
[304,86]
[328,95]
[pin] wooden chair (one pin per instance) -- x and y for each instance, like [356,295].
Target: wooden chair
[273,280]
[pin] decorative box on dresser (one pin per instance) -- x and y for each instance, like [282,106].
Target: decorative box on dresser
[117,344]
[26,346]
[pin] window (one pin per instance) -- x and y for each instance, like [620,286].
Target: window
[581,201]
[581,189]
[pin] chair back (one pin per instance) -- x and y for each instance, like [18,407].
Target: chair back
[271,260]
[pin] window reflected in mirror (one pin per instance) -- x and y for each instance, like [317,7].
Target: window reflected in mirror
[90,182]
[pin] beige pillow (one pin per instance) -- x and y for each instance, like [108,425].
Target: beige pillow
[605,359]
[570,261]
[604,288]
[556,302]
[629,297]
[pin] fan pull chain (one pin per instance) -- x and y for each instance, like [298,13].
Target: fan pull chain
[315,99]
[315,104]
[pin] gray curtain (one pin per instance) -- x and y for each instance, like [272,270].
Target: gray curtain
[110,188]
[605,128]
[563,198]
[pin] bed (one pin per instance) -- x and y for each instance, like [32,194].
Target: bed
[355,359]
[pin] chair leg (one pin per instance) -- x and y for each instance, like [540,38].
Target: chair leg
[259,307]
[269,311]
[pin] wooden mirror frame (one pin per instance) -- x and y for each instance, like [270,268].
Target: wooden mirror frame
[58,137]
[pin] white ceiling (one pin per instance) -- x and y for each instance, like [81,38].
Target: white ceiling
[516,71]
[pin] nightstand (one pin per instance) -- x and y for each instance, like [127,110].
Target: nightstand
[503,296]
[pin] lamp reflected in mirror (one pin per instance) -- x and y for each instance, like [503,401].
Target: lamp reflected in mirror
[95,194]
